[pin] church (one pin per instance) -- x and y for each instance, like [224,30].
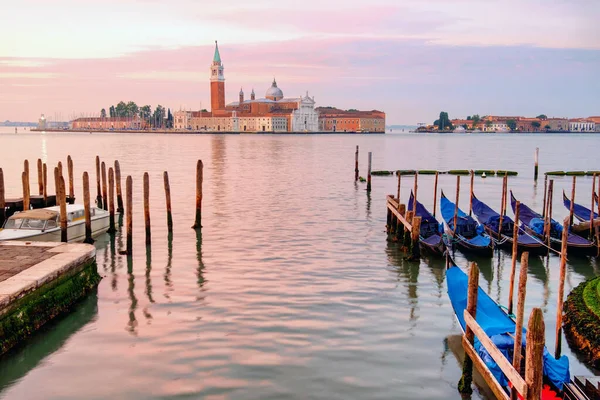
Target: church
[273,113]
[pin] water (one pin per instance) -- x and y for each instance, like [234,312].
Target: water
[292,291]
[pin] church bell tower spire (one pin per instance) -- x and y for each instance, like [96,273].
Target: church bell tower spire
[217,82]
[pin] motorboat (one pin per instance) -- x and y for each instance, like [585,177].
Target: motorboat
[43,224]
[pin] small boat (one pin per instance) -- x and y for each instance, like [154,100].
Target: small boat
[580,212]
[43,224]
[469,235]
[534,224]
[500,328]
[430,234]
[490,220]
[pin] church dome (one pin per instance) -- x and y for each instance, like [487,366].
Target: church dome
[274,93]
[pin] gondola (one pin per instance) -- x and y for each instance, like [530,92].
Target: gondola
[430,234]
[580,212]
[469,236]
[534,224]
[490,220]
[500,328]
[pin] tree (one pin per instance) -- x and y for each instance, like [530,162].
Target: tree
[476,119]
[204,110]
[121,109]
[468,118]
[112,111]
[547,127]
[488,123]
[132,109]
[158,116]
[542,116]
[436,122]
[512,124]
[145,112]
[103,113]
[465,126]
[536,124]
[444,121]
[169,119]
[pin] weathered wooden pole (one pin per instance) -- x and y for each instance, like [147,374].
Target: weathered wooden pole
[119,192]
[111,201]
[71,186]
[63,209]
[534,354]
[104,187]
[416,187]
[168,200]
[98,188]
[199,179]
[464,385]
[40,177]
[45,174]
[502,206]
[435,185]
[456,205]
[520,312]
[535,168]
[356,165]
[147,208]
[513,267]
[592,207]
[25,179]
[60,169]
[399,183]
[414,239]
[369,172]
[548,218]
[86,209]
[56,185]
[129,205]
[2,198]
[471,193]
[545,195]
[561,286]
[572,202]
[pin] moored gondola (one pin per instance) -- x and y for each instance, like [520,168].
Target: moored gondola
[430,233]
[580,212]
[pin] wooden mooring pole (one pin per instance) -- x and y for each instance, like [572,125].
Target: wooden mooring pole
[415,246]
[71,185]
[548,218]
[111,201]
[119,192]
[416,187]
[435,185]
[40,177]
[63,209]
[147,208]
[168,201]
[572,201]
[26,198]
[98,188]
[535,168]
[456,204]
[45,174]
[86,209]
[104,187]
[464,385]
[56,185]
[199,179]
[561,286]
[471,193]
[60,169]
[519,317]
[356,165]
[545,195]
[502,205]
[129,205]
[534,354]
[369,171]
[399,184]
[2,199]
[592,207]
[513,266]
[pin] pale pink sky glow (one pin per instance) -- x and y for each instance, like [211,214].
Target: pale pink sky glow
[409,58]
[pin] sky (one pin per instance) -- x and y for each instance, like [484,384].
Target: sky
[409,58]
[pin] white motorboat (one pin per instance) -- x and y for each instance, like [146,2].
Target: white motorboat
[43,224]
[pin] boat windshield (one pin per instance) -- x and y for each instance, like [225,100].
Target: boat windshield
[13,223]
[25,223]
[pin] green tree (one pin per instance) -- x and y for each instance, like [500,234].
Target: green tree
[536,124]
[121,109]
[204,110]
[468,118]
[132,109]
[103,113]
[542,116]
[512,124]
[158,116]
[112,111]
[547,127]
[444,121]
[465,126]
[145,112]
[169,119]
[476,119]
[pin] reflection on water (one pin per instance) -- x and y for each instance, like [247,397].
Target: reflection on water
[292,289]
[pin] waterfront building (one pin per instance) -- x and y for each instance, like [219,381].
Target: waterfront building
[556,124]
[596,121]
[582,125]
[108,123]
[42,122]
[335,120]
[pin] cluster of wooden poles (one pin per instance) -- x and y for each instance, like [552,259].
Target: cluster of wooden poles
[104,199]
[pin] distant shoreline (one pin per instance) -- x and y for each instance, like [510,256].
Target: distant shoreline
[202,132]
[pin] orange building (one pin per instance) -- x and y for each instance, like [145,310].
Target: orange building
[336,120]
[108,123]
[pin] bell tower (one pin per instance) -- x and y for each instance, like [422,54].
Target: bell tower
[217,82]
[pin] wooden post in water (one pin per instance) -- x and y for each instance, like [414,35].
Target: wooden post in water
[86,209]
[534,354]
[545,195]
[471,193]
[435,184]
[98,189]
[520,314]
[561,286]
[45,174]
[56,185]
[456,205]
[399,227]
[199,179]
[414,205]
[592,207]
[502,206]
[356,165]
[111,201]
[573,202]
[414,239]
[129,205]
[513,267]
[548,218]
[369,172]
[399,183]
[168,200]
[25,191]
[2,198]
[535,168]
[464,385]
[119,192]
[40,177]
[104,188]
[63,209]
[60,169]
[147,208]
[71,186]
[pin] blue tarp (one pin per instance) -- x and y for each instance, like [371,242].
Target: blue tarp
[490,218]
[582,213]
[466,226]
[429,225]
[497,325]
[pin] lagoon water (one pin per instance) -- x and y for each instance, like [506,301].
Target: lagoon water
[292,291]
